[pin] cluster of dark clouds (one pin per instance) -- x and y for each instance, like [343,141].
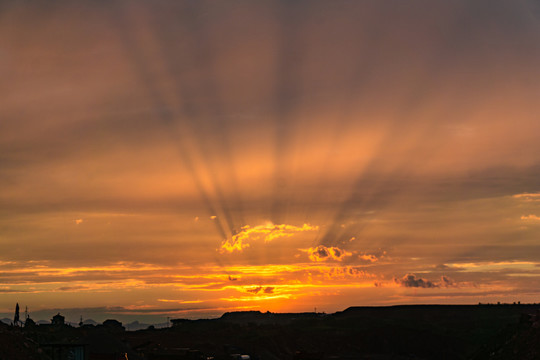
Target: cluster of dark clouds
[260,289]
[412,281]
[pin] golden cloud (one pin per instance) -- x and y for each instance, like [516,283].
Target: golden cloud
[267,232]
[531,217]
[347,272]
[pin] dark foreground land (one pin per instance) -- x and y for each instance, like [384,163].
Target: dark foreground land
[398,332]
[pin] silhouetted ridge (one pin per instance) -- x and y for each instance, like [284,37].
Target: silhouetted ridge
[393,332]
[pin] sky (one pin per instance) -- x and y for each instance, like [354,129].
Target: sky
[188,158]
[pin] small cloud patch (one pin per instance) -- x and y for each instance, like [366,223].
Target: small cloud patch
[72,288]
[530,218]
[447,282]
[323,253]
[528,196]
[368,257]
[258,289]
[410,280]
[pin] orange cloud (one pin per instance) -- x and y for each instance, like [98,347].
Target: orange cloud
[267,232]
[346,272]
[368,257]
[323,253]
[180,301]
[531,217]
[528,196]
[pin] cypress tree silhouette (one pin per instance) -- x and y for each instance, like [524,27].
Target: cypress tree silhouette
[16,318]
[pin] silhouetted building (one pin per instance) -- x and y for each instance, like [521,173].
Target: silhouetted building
[178,322]
[29,323]
[114,325]
[58,319]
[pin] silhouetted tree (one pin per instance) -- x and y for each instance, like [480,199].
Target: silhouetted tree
[16,317]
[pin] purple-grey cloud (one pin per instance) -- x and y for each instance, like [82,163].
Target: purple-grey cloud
[410,280]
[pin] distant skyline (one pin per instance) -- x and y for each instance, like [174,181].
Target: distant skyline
[185,159]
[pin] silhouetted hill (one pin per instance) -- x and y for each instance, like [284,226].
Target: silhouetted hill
[473,332]
[89,322]
[256,317]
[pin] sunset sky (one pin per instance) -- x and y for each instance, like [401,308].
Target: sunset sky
[188,158]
